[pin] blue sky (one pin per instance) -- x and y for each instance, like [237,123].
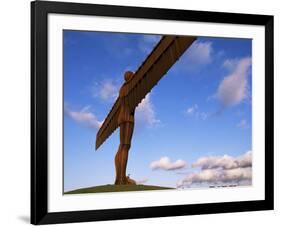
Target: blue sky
[192,130]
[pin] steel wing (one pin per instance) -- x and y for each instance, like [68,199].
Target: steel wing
[159,61]
[156,65]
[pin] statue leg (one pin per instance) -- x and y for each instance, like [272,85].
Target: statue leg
[121,158]
[124,160]
[117,165]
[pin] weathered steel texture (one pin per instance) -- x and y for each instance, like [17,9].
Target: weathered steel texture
[109,125]
[155,66]
[165,54]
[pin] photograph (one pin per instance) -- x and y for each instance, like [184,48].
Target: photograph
[141,112]
[145,112]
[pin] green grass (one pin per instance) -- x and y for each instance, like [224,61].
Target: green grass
[116,188]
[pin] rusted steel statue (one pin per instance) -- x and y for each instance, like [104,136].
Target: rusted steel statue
[134,89]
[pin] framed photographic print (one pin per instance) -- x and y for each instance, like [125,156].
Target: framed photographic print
[145,112]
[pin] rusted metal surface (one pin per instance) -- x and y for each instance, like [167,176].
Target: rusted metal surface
[155,66]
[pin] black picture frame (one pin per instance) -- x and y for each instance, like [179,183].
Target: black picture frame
[39,112]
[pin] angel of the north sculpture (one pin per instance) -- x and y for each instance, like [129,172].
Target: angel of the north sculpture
[136,86]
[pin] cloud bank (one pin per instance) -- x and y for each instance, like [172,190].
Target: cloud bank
[165,163]
[233,89]
[220,170]
[215,176]
[145,113]
[224,162]
[84,117]
[107,90]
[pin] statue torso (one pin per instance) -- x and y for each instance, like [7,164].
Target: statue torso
[124,114]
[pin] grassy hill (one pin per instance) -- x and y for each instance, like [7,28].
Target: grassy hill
[116,188]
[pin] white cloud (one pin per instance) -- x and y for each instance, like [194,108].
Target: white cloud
[191,110]
[208,175]
[166,164]
[238,174]
[245,160]
[212,162]
[233,89]
[230,64]
[194,111]
[218,176]
[84,117]
[224,162]
[107,90]
[145,113]
[200,53]
[220,170]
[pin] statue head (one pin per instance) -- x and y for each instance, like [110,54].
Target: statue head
[128,75]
